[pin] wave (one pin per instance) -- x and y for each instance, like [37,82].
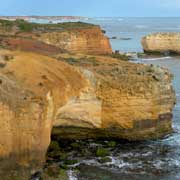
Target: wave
[141,26]
[72,175]
[155,59]
[120,19]
[108,19]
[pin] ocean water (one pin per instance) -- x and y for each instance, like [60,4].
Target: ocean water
[134,28]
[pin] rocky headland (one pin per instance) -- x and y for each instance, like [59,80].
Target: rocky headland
[62,81]
[162,43]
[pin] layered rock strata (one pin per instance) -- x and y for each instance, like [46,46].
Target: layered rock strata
[100,97]
[162,43]
[32,88]
[131,101]
[86,41]
[78,96]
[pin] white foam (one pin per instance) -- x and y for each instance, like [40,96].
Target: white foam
[72,175]
[120,19]
[155,59]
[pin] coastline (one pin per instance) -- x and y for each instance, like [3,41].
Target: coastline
[90,97]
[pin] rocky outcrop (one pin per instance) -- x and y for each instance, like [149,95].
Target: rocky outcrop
[74,37]
[32,88]
[74,96]
[162,43]
[98,97]
[125,100]
[86,40]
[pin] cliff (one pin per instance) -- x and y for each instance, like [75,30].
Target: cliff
[32,87]
[162,43]
[73,96]
[73,37]
[87,41]
[131,101]
[98,97]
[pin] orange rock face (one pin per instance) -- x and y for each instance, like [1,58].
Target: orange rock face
[78,96]
[98,97]
[32,88]
[87,40]
[128,101]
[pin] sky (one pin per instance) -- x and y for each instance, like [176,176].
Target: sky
[92,8]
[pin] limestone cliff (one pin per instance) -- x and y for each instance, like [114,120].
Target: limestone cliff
[130,101]
[87,40]
[162,43]
[98,97]
[32,88]
[75,37]
[79,96]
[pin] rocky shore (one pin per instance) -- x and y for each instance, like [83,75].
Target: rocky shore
[62,81]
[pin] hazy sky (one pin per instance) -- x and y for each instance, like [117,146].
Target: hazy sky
[92,8]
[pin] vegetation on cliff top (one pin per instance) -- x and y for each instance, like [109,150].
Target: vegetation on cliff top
[25,26]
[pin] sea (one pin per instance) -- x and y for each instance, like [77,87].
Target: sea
[149,160]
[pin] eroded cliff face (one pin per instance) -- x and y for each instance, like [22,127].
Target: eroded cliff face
[85,40]
[162,43]
[79,96]
[32,88]
[74,37]
[129,101]
[98,97]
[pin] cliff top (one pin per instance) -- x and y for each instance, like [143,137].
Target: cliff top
[163,34]
[36,75]
[24,26]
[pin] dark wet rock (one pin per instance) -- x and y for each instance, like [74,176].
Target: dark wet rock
[105,160]
[97,173]
[36,176]
[71,161]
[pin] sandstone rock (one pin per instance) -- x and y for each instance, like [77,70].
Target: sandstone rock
[75,37]
[122,100]
[104,97]
[86,40]
[162,43]
[32,88]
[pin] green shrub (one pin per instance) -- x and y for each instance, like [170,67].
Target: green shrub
[24,26]
[111,143]
[120,56]
[102,152]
